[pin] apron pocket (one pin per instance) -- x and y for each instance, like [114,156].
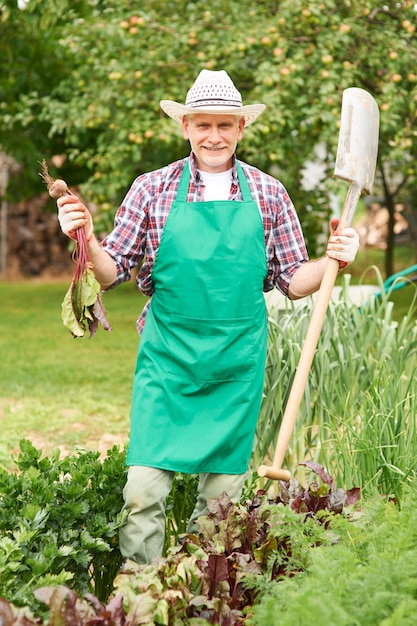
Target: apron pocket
[209,350]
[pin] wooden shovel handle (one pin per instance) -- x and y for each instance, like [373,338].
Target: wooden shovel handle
[307,354]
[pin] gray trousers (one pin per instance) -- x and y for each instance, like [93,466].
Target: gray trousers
[142,537]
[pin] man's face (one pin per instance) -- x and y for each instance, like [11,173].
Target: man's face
[213,139]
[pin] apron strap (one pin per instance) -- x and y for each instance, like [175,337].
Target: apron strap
[244,186]
[185,183]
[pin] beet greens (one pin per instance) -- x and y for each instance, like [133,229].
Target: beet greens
[82,307]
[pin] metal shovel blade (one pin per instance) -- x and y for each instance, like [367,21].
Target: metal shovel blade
[358,139]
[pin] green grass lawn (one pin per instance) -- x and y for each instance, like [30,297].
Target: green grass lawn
[56,390]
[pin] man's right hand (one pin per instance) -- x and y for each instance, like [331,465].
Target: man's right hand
[72,215]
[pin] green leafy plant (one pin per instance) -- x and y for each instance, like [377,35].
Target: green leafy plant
[214,577]
[180,505]
[59,523]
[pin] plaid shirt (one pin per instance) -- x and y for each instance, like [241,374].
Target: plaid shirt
[140,220]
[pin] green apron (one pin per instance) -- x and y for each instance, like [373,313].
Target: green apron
[200,369]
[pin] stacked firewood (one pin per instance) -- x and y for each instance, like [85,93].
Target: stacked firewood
[35,243]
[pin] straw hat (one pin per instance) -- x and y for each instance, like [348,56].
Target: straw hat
[212,92]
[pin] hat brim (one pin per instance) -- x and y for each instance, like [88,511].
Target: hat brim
[176,111]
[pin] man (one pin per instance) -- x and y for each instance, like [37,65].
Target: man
[213,234]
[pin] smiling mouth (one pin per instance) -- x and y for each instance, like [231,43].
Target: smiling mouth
[214,149]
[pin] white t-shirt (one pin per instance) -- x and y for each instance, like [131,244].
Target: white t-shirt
[216,186]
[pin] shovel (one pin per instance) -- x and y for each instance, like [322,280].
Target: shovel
[355,163]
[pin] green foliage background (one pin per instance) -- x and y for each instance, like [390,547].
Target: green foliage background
[84,80]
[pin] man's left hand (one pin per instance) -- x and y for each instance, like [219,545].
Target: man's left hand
[343,245]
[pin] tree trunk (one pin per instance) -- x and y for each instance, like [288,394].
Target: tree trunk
[390,205]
